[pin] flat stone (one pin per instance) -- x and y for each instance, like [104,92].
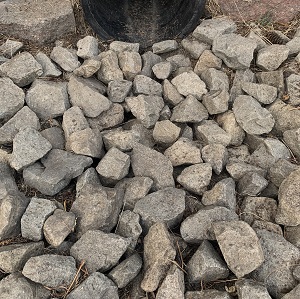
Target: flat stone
[159,252]
[253,118]
[293,88]
[215,79]
[40,24]
[147,86]
[126,271]
[96,286]
[22,69]
[55,136]
[87,47]
[51,270]
[89,67]
[264,93]
[28,147]
[235,50]
[119,46]
[164,46]
[88,98]
[100,251]
[237,170]
[130,64]
[149,60]
[10,48]
[13,257]
[211,294]
[237,239]
[271,57]
[249,289]
[189,83]
[48,99]
[65,58]
[38,210]
[199,226]
[194,47]
[58,226]
[166,205]
[55,171]
[251,184]
[49,68]
[216,101]
[206,265]
[117,91]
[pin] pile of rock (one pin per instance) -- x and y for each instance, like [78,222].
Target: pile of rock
[168,155]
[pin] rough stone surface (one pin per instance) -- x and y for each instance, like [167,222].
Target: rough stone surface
[293,88]
[264,93]
[149,60]
[146,85]
[87,47]
[216,101]
[165,132]
[194,47]
[239,245]
[130,63]
[119,46]
[237,170]
[55,136]
[207,60]
[170,93]
[118,90]
[211,294]
[250,289]
[49,68]
[10,48]
[164,46]
[65,58]
[251,184]
[215,79]
[89,67]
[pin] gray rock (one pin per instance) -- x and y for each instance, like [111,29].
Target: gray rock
[159,252]
[119,46]
[165,132]
[269,226]
[297,59]
[10,48]
[239,154]
[87,47]
[150,163]
[215,79]
[183,152]
[51,270]
[170,93]
[95,207]
[146,108]
[253,118]
[149,60]
[293,294]
[189,110]
[100,251]
[164,46]
[236,51]
[209,29]
[130,63]
[211,294]
[273,78]
[89,67]
[88,98]
[126,271]
[250,289]
[251,184]
[55,171]
[188,83]
[264,93]
[180,61]
[208,132]
[296,272]
[48,99]
[216,101]
[109,69]
[3,59]
[22,69]
[38,210]
[28,147]
[206,265]
[165,113]
[166,205]
[271,57]
[117,91]
[17,286]
[216,155]
[293,45]
[58,226]
[162,70]
[288,210]
[237,170]
[280,260]
[11,98]
[199,226]
[194,47]
[49,68]
[293,88]
[65,58]
[146,85]
[173,284]
[222,194]
[129,227]
[55,136]
[196,178]
[237,239]
[206,61]
[13,257]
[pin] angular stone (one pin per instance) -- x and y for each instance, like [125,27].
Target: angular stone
[89,67]
[293,294]
[256,35]
[65,58]
[159,252]
[199,226]
[173,284]
[206,265]
[293,88]
[48,99]
[166,205]
[188,83]
[170,93]
[215,79]
[237,170]
[164,46]
[273,78]
[189,110]
[239,245]
[209,29]
[235,50]
[22,69]
[222,194]
[130,63]
[117,91]
[271,57]
[264,93]
[162,70]
[239,154]
[28,147]
[10,48]
[206,61]
[165,132]
[211,294]
[150,163]
[250,289]
[88,98]
[194,47]
[13,257]
[55,136]
[280,259]
[32,221]
[87,47]
[216,101]
[126,271]
[119,46]
[146,86]
[149,60]
[253,118]
[269,226]
[100,251]
[251,184]
[49,68]
[293,45]
[196,178]
[55,171]
[58,226]
[51,270]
